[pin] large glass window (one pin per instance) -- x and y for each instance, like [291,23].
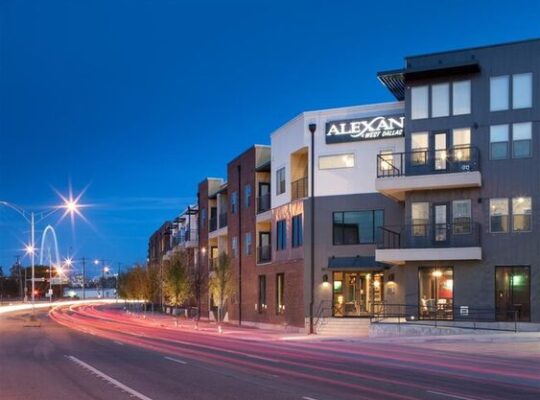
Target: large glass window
[522,90]
[462,144]
[461,97]
[461,214]
[440,100]
[280,181]
[336,161]
[419,218]
[297,235]
[419,102]
[498,137]
[280,293]
[357,227]
[522,140]
[521,214]
[261,306]
[419,148]
[436,290]
[357,294]
[281,234]
[513,293]
[498,215]
[499,93]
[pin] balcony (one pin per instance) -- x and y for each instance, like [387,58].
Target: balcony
[223,220]
[263,203]
[213,224]
[299,188]
[264,254]
[186,238]
[456,167]
[429,242]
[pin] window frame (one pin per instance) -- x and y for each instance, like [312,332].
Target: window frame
[491,142]
[434,104]
[492,79]
[530,91]
[529,140]
[281,235]
[297,231]
[466,83]
[280,293]
[262,304]
[374,227]
[327,156]
[281,186]
[508,221]
[530,216]
[420,89]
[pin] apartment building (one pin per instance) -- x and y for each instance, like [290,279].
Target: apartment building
[160,244]
[467,247]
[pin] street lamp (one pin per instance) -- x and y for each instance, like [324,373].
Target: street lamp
[70,205]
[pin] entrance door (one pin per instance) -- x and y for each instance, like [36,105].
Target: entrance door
[440,151]
[264,196]
[356,293]
[441,228]
[512,291]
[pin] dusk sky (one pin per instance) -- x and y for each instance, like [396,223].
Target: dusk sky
[138,101]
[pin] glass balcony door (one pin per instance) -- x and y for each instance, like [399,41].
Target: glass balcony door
[512,291]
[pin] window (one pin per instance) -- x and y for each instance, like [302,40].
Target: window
[522,91]
[521,214]
[386,160]
[261,306]
[357,227]
[280,294]
[203,217]
[498,137]
[436,291]
[419,102]
[234,202]
[419,218]
[419,147]
[522,140]
[297,231]
[440,100]
[461,98]
[234,246]
[336,161]
[281,235]
[248,242]
[247,196]
[462,144]
[461,214]
[499,93]
[513,293]
[498,215]
[280,181]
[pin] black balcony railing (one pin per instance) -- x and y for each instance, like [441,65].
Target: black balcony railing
[213,223]
[425,162]
[190,234]
[415,236]
[264,254]
[223,220]
[263,203]
[299,188]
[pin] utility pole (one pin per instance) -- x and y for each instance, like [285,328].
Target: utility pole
[18,265]
[84,278]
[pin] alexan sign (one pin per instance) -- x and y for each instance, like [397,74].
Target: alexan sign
[364,129]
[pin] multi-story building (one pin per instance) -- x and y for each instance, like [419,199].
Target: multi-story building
[468,181]
[160,243]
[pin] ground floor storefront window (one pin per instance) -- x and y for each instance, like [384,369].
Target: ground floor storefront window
[513,293]
[356,294]
[436,292]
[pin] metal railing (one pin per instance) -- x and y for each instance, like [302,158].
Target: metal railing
[223,220]
[185,236]
[299,188]
[446,316]
[191,234]
[263,203]
[426,162]
[414,236]
[213,224]
[264,254]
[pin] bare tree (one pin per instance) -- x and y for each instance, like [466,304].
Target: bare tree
[221,285]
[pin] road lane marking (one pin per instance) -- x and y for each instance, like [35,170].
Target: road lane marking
[251,356]
[453,396]
[308,398]
[176,360]
[109,379]
[118,343]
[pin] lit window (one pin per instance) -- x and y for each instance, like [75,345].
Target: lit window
[498,215]
[386,160]
[280,293]
[521,214]
[280,181]
[336,161]
[462,144]
[461,214]
[440,100]
[522,90]
[498,137]
[419,148]
[499,93]
[419,218]
[522,140]
[461,98]
[419,102]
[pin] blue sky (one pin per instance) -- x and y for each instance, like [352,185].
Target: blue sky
[140,100]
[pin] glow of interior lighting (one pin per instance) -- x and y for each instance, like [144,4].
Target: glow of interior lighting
[449,284]
[437,273]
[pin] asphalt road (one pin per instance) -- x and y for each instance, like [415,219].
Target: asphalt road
[90,353]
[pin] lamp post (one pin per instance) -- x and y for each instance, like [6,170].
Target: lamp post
[70,206]
[312,129]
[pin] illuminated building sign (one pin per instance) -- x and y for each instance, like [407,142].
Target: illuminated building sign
[352,130]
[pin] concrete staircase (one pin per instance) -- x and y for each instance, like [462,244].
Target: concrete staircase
[352,327]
